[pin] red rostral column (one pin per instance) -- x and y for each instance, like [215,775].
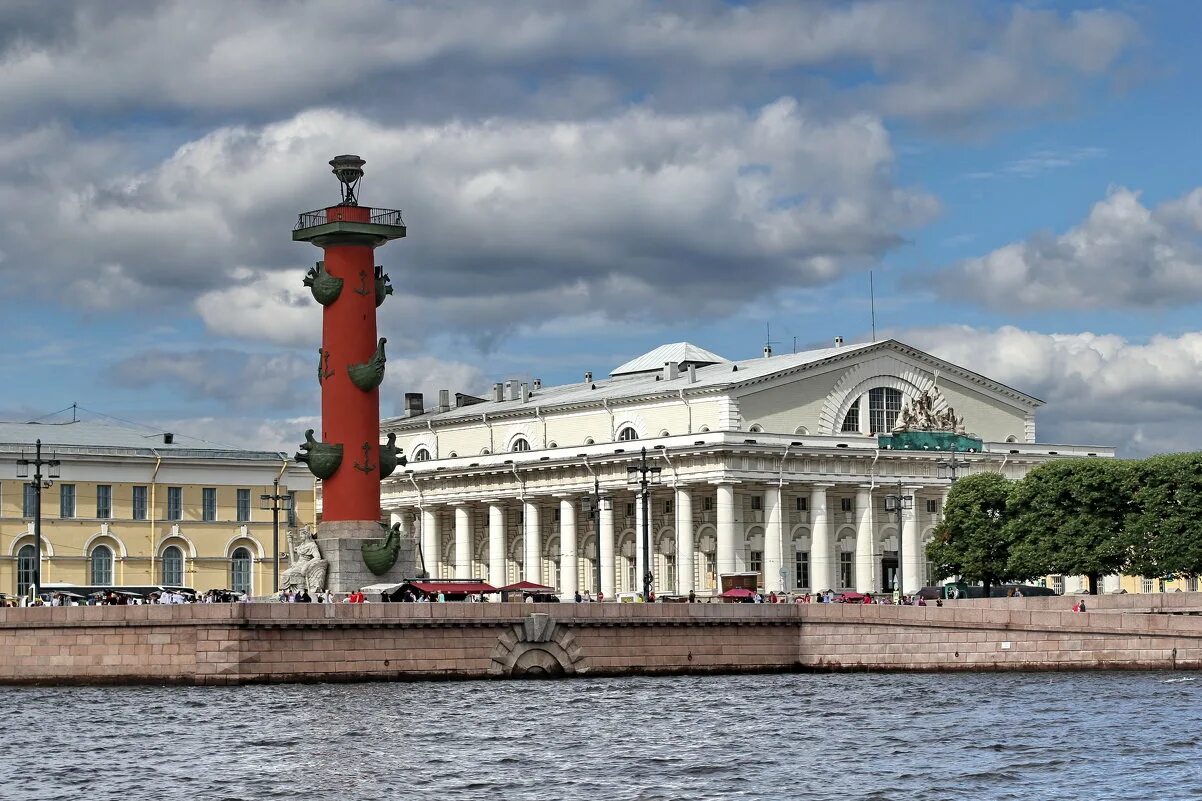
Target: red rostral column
[348,457]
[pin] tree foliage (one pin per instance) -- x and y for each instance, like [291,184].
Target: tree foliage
[1166,521]
[973,541]
[1071,517]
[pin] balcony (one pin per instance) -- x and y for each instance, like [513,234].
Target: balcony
[381,225]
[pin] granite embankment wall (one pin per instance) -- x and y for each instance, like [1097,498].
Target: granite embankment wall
[245,643]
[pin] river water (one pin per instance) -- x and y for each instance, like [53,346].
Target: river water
[998,736]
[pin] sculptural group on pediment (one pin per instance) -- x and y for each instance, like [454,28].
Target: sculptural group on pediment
[920,414]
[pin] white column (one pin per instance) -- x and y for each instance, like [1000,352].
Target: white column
[496,545]
[726,530]
[640,568]
[684,541]
[911,546]
[822,574]
[864,540]
[431,541]
[605,551]
[569,563]
[774,537]
[533,542]
[463,541]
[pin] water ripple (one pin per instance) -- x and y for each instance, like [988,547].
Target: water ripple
[859,737]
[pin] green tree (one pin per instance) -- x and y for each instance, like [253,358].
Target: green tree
[1070,517]
[971,541]
[1166,521]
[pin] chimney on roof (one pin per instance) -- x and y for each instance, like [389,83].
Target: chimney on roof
[524,392]
[692,374]
[415,404]
[538,383]
[511,390]
[444,400]
[168,438]
[838,342]
[498,392]
[767,351]
[588,376]
[671,371]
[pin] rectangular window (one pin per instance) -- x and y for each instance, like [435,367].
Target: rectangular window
[208,504]
[711,571]
[1146,585]
[667,507]
[755,563]
[630,510]
[29,501]
[175,503]
[933,506]
[803,505]
[1058,585]
[707,504]
[757,502]
[802,570]
[243,505]
[139,504]
[846,504]
[846,571]
[292,518]
[104,501]
[66,500]
[884,404]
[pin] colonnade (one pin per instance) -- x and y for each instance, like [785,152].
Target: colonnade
[718,527]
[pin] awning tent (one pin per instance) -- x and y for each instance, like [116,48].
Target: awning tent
[453,590]
[528,586]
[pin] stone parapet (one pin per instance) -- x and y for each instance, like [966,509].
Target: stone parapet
[246,643]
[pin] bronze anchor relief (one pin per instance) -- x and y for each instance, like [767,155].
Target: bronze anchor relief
[367,466]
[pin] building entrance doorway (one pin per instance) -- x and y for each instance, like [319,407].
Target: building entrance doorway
[889,571]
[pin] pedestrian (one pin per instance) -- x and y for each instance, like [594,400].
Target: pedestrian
[579,597]
[692,597]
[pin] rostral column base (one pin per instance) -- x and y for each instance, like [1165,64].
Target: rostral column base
[341,543]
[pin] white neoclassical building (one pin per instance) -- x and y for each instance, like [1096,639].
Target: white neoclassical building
[771,465]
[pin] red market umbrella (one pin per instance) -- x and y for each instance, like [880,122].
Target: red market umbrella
[738,592]
[527,586]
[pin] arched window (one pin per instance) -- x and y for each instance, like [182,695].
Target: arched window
[100,566]
[590,441]
[485,452]
[422,455]
[884,405]
[452,455]
[240,570]
[851,423]
[1012,438]
[173,565]
[664,433]
[520,444]
[26,565]
[756,429]
[552,444]
[801,431]
[627,434]
[705,429]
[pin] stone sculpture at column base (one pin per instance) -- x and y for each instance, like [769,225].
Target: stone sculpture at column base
[343,543]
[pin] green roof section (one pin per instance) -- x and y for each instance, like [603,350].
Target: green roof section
[929,441]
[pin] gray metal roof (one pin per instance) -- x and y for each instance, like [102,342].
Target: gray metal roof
[679,352]
[86,435]
[711,377]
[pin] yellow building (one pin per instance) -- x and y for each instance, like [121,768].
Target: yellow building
[131,508]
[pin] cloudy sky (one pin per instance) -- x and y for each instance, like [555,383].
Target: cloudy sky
[584,181]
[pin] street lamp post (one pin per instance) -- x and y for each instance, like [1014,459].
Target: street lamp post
[275,502]
[643,476]
[898,503]
[947,468]
[595,505]
[52,472]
